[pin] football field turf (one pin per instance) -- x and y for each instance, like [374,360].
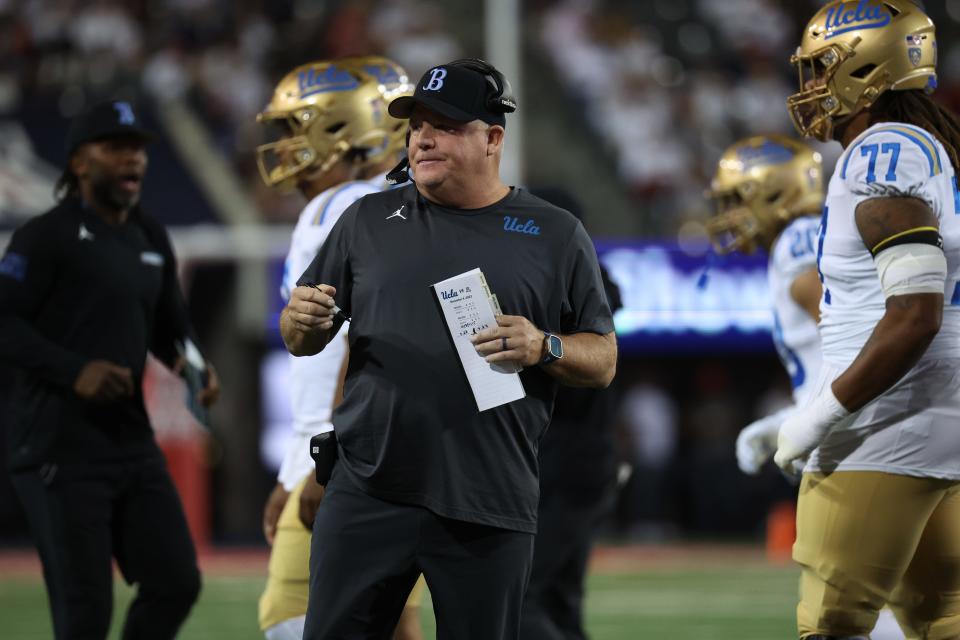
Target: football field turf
[677,598]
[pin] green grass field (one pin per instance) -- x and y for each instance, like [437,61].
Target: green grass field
[720,600]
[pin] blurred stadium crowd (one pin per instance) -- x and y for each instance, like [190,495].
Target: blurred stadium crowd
[667,85]
[663,86]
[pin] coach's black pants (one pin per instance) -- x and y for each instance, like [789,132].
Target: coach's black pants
[566,526]
[366,555]
[83,514]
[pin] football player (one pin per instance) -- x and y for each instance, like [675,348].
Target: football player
[335,143]
[879,508]
[768,193]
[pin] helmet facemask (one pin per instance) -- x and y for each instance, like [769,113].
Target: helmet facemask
[296,147]
[741,223]
[815,108]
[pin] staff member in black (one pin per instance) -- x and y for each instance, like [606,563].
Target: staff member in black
[578,473]
[425,482]
[85,290]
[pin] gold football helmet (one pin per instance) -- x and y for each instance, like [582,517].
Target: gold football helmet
[761,184]
[853,51]
[322,111]
[392,82]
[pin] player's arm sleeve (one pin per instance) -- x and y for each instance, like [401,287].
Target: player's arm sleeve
[28,272]
[331,265]
[585,306]
[894,162]
[171,325]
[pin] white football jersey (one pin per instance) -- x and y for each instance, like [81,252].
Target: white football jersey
[910,429]
[313,379]
[794,331]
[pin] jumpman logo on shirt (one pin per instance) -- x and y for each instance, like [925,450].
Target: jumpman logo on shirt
[397,213]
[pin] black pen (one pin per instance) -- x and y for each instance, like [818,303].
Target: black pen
[336,310]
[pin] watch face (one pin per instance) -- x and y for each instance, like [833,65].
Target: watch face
[555,346]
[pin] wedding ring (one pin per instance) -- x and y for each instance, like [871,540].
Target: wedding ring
[503,342]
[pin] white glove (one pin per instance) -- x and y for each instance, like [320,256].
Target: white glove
[758,440]
[804,430]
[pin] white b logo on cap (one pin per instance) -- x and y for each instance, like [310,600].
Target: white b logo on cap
[436,79]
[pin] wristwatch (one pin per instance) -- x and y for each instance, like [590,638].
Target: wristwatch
[554,347]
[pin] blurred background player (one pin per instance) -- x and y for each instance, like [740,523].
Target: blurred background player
[768,192]
[578,474]
[879,509]
[336,143]
[85,290]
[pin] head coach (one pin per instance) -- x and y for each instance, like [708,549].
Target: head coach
[425,482]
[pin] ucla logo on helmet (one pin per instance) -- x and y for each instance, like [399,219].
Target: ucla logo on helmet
[767,153]
[866,15]
[332,78]
[436,79]
[384,74]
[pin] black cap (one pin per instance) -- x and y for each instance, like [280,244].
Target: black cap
[457,92]
[105,120]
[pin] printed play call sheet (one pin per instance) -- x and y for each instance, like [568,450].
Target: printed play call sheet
[468,308]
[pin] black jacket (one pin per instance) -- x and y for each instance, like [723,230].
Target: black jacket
[74,288]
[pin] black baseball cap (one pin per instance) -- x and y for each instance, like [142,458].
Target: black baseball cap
[454,91]
[105,120]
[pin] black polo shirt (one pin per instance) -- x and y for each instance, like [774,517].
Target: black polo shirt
[74,288]
[408,428]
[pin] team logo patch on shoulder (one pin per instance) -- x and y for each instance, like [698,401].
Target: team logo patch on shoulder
[13,265]
[151,258]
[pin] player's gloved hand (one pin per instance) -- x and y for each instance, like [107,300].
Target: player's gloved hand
[272,510]
[805,429]
[757,442]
